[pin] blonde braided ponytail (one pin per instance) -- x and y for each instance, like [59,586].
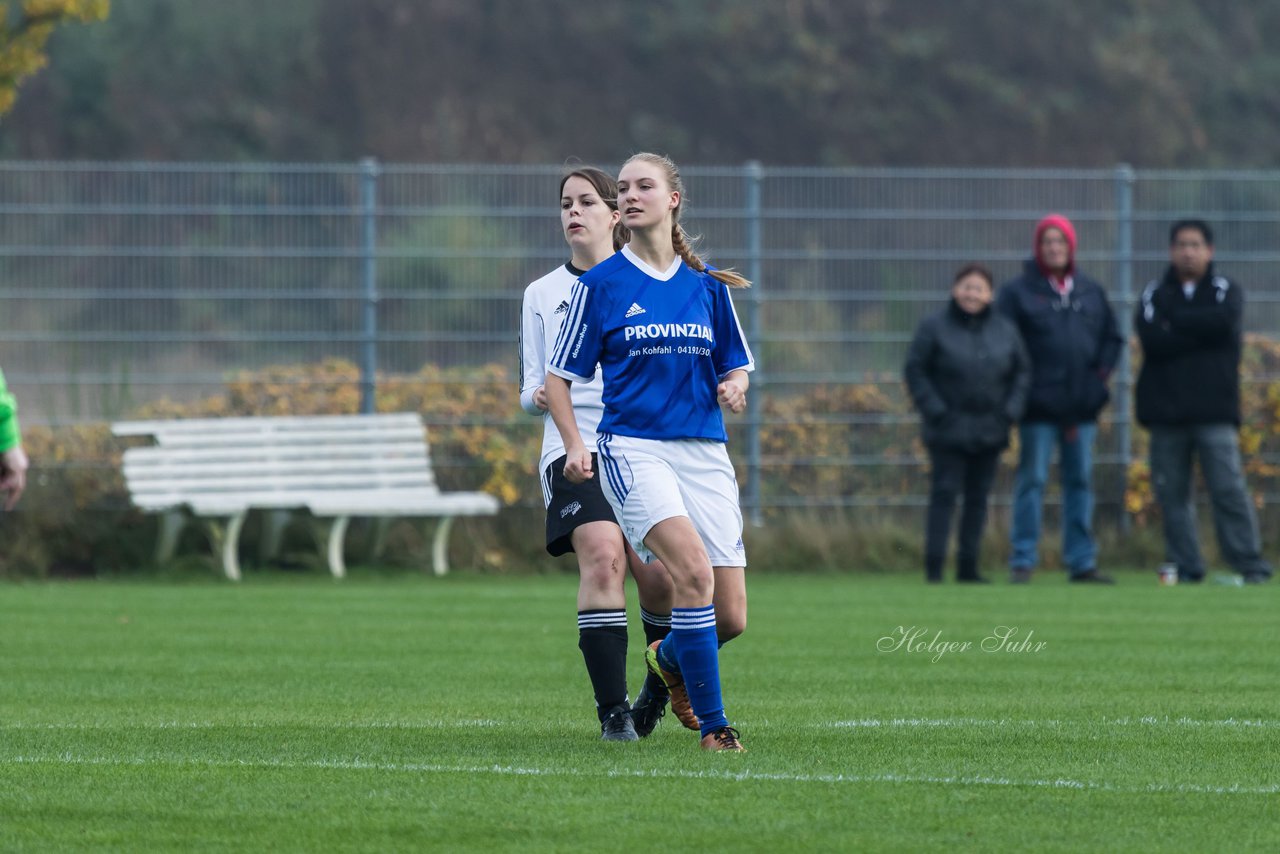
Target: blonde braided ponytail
[681,241]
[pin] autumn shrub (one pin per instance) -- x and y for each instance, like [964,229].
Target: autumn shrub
[76,518]
[1259,433]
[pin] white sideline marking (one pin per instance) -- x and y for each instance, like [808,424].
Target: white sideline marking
[162,725]
[739,776]
[862,723]
[942,723]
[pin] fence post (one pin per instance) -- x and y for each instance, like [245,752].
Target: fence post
[1124,285]
[369,337]
[754,174]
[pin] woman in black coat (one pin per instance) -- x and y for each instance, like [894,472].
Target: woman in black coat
[968,374]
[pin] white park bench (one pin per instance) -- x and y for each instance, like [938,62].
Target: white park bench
[336,466]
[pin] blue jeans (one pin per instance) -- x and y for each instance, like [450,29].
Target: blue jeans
[1075,459]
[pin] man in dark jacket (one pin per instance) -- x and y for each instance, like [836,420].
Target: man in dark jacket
[1188,396]
[1071,337]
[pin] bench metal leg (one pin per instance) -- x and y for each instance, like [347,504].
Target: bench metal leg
[330,536]
[226,542]
[171,524]
[440,546]
[380,526]
[273,524]
[337,533]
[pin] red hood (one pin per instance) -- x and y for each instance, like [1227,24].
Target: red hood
[1068,230]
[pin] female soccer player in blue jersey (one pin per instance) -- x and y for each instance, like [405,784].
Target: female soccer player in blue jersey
[579,518]
[662,329]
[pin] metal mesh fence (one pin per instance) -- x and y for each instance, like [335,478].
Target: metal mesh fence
[122,283]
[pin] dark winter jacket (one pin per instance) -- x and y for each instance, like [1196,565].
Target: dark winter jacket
[1190,352]
[1072,341]
[968,375]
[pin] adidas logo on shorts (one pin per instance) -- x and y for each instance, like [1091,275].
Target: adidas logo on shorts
[562,307]
[570,509]
[634,310]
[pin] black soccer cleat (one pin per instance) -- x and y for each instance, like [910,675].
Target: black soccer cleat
[617,725]
[649,708]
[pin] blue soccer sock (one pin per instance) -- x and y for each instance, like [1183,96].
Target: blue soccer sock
[667,658]
[693,636]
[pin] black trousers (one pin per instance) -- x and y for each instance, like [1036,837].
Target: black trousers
[953,474]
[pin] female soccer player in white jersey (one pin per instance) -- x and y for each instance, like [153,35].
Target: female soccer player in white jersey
[663,331]
[579,518]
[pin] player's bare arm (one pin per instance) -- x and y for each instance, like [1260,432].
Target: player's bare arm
[13,476]
[577,465]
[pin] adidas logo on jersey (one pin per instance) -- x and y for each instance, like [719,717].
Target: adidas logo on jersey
[634,310]
[562,307]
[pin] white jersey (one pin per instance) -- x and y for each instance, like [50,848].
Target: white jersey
[546,304]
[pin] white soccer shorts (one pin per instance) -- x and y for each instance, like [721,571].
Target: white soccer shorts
[648,480]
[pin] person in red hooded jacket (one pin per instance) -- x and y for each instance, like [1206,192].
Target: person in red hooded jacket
[1071,337]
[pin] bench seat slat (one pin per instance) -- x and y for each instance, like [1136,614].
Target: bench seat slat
[385,503]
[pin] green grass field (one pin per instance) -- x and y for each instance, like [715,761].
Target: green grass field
[412,714]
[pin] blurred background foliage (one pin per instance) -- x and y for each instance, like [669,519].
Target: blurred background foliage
[1176,83]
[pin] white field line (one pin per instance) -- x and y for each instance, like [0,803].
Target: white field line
[744,776]
[860,723]
[195,725]
[979,723]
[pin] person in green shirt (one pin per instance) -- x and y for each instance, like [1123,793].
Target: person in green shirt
[13,460]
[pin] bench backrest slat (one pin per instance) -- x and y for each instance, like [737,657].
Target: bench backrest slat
[292,438]
[267,424]
[278,483]
[154,455]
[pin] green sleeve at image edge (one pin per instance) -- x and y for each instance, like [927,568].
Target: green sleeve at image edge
[9,436]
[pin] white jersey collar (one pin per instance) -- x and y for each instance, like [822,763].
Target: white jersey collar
[649,271]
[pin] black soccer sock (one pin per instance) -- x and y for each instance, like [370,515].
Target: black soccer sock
[656,627]
[602,637]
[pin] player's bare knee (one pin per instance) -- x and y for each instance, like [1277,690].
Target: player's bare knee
[694,585]
[654,583]
[730,626]
[603,570]
[601,567]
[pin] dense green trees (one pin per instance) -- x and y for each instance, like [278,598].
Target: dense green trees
[957,82]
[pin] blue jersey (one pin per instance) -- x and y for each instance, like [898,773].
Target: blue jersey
[663,340]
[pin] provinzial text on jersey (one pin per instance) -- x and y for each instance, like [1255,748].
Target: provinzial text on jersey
[669,330]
